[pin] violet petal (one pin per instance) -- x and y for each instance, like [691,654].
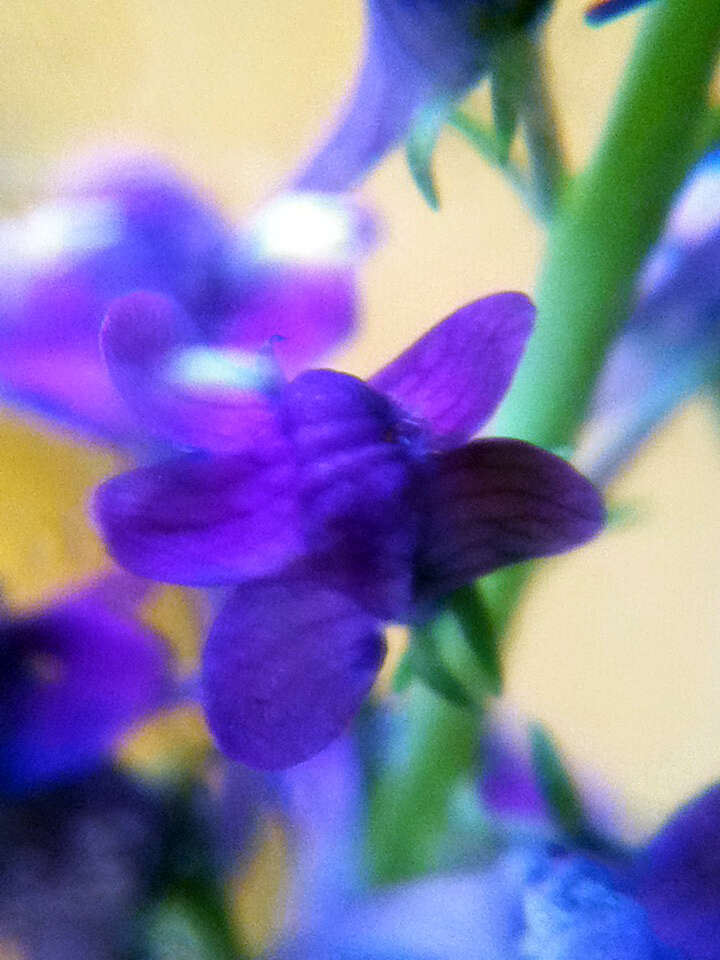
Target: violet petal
[354,485]
[493,503]
[454,376]
[203,520]
[677,878]
[287,664]
[74,677]
[180,390]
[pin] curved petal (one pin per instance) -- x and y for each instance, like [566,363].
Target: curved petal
[183,391]
[287,664]
[75,677]
[497,502]
[677,878]
[354,485]
[204,520]
[415,53]
[454,376]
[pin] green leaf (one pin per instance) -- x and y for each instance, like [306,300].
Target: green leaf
[427,665]
[478,630]
[420,146]
[555,783]
[403,675]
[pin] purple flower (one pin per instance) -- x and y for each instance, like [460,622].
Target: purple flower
[73,677]
[544,902]
[670,347]
[128,223]
[331,505]
[418,54]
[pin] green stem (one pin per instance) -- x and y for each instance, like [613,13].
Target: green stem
[603,231]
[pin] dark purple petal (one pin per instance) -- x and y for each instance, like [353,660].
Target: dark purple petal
[497,502]
[354,486]
[287,664]
[454,377]
[203,520]
[677,878]
[181,390]
[74,677]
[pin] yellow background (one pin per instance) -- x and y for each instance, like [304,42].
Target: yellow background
[616,647]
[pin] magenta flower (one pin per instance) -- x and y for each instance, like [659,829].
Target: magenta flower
[418,54]
[132,223]
[331,506]
[73,677]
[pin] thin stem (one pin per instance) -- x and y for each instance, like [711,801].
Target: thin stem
[603,230]
[483,141]
[547,163]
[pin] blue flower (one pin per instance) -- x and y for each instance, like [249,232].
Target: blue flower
[331,506]
[74,676]
[540,902]
[128,223]
[418,54]
[670,347]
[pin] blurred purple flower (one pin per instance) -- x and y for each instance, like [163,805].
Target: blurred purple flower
[76,865]
[541,902]
[127,223]
[419,54]
[332,505]
[73,677]
[670,347]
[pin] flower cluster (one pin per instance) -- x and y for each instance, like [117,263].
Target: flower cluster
[132,222]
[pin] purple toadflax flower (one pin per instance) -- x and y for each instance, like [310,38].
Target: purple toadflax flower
[74,676]
[331,506]
[670,347]
[123,223]
[419,54]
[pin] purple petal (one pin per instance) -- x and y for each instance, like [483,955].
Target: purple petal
[183,391]
[75,676]
[354,485]
[204,520]
[497,502]
[287,664]
[454,377]
[415,53]
[303,310]
[128,223]
[677,878]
